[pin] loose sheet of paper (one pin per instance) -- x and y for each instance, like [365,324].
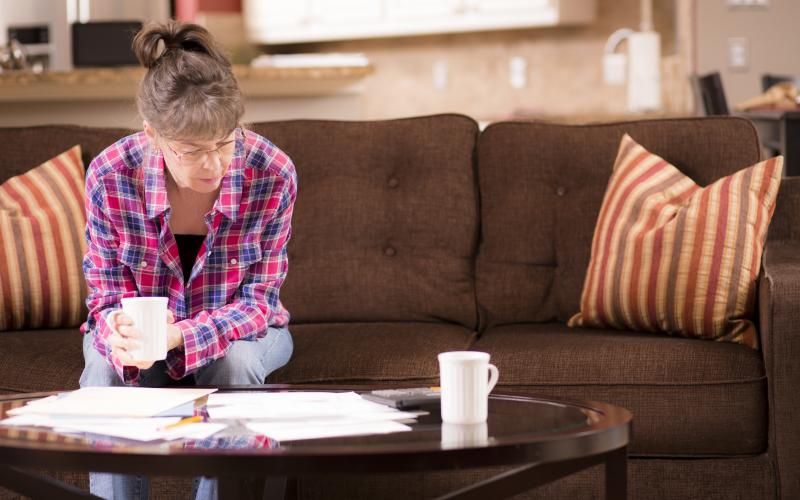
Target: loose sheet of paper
[289,416]
[113,402]
[282,406]
[293,431]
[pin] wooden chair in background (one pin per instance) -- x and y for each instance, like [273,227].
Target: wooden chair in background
[709,94]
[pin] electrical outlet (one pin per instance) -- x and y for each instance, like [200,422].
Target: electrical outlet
[440,75]
[738,53]
[517,72]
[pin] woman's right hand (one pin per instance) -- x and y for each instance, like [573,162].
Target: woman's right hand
[124,337]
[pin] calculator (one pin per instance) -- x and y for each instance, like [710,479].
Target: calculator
[406,399]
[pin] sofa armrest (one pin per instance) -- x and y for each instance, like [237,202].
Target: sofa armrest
[779,317]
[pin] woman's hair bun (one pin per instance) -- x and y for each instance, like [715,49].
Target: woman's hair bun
[176,36]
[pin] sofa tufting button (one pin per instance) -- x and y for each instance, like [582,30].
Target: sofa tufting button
[389,251]
[393,182]
[560,191]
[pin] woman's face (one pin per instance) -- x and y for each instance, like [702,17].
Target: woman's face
[197,165]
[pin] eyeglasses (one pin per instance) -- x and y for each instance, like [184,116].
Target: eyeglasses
[200,156]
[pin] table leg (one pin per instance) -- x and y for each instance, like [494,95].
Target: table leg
[37,486]
[522,479]
[617,474]
[257,488]
[244,488]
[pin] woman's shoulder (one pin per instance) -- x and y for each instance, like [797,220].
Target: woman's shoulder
[266,158]
[126,154]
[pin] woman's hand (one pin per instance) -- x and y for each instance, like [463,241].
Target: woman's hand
[174,335]
[124,337]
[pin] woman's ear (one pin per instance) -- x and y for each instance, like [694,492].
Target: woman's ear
[149,131]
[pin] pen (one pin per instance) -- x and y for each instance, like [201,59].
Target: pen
[184,421]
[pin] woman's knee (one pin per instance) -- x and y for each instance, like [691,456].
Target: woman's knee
[279,352]
[97,372]
[237,367]
[249,361]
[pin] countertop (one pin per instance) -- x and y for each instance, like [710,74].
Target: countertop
[92,84]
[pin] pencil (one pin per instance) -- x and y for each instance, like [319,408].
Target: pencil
[184,421]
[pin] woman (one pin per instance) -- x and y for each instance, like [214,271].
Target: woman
[196,209]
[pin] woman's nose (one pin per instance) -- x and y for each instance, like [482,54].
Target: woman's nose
[213,161]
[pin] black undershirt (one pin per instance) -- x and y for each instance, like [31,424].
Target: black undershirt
[188,248]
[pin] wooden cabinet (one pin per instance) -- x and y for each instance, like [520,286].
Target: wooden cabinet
[344,12]
[301,21]
[415,10]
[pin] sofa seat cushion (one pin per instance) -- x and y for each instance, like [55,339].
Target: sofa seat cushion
[40,360]
[687,396]
[365,352]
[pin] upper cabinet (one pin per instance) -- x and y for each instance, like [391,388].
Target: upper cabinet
[299,21]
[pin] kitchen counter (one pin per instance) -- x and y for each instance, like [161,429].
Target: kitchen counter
[92,84]
[105,97]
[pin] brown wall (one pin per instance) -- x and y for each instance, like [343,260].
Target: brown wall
[774,41]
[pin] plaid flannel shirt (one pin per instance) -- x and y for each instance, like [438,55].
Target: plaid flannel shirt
[233,291]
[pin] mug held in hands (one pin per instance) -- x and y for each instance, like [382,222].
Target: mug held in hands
[149,315]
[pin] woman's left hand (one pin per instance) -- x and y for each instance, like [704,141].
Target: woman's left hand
[174,335]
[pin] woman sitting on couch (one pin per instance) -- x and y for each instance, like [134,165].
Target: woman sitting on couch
[196,209]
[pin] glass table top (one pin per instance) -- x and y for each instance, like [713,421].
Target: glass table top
[512,420]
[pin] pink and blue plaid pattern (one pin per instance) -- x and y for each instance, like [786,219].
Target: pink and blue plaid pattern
[233,291]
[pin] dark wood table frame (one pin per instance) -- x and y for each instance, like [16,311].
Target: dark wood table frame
[779,130]
[538,460]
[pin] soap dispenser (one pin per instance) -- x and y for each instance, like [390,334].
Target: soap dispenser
[641,66]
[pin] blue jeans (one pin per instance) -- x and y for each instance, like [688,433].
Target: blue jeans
[246,362]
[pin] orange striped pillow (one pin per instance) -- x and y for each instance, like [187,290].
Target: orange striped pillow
[671,256]
[41,245]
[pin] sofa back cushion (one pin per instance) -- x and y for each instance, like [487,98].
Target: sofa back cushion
[385,222]
[27,147]
[41,245]
[541,186]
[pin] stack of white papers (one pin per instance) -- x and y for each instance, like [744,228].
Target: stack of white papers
[112,402]
[288,416]
[138,429]
[124,412]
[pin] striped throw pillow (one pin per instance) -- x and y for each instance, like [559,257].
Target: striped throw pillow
[41,245]
[670,256]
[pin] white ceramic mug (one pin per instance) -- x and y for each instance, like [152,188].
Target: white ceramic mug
[466,385]
[149,315]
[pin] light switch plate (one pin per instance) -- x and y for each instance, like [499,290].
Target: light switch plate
[738,54]
[735,4]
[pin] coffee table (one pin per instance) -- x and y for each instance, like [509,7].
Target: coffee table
[540,439]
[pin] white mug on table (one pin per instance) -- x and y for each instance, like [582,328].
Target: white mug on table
[149,315]
[465,385]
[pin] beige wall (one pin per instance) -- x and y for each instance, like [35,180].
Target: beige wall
[774,42]
[564,69]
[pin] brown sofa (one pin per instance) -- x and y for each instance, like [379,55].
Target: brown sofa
[421,235]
